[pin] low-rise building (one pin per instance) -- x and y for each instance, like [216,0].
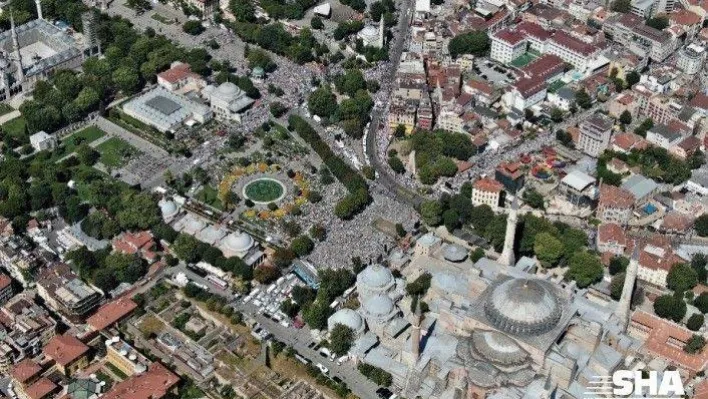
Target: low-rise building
[578,188]
[510,175]
[615,205]
[6,291]
[128,360]
[487,191]
[525,93]
[69,354]
[156,383]
[42,141]
[656,258]
[27,328]
[661,136]
[642,189]
[64,291]
[690,58]
[167,111]
[612,239]
[180,78]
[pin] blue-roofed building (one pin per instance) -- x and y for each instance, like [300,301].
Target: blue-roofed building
[307,273]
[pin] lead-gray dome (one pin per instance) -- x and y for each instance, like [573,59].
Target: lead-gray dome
[454,253]
[168,208]
[349,318]
[376,277]
[523,306]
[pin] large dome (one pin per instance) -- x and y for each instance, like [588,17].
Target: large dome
[523,306]
[168,208]
[376,277]
[238,242]
[228,90]
[378,306]
[349,318]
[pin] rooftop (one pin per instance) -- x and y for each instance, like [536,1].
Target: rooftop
[615,197]
[564,39]
[40,389]
[153,384]
[578,180]
[111,312]
[25,370]
[65,349]
[640,186]
[489,185]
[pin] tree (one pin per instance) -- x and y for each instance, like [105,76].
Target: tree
[695,322]
[451,219]
[644,127]
[481,216]
[695,344]
[316,23]
[277,109]
[302,245]
[698,263]
[400,131]
[681,278]
[87,100]
[351,82]
[623,6]
[548,249]
[582,98]
[556,114]
[87,155]
[396,164]
[126,268]
[533,199]
[193,28]
[187,248]
[266,274]
[140,211]
[243,10]
[701,225]
[701,302]
[316,315]
[431,212]
[632,78]
[322,102]
[618,264]
[476,43]
[659,22]
[477,254]
[585,268]
[126,79]
[616,286]
[340,339]
[670,307]
[625,118]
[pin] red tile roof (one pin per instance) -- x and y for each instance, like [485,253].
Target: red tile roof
[700,100]
[176,74]
[677,221]
[65,349]
[5,281]
[666,339]
[684,17]
[489,185]
[545,67]
[657,254]
[611,233]
[527,87]
[41,389]
[615,197]
[511,37]
[25,370]
[481,86]
[153,384]
[629,140]
[533,29]
[569,42]
[111,312]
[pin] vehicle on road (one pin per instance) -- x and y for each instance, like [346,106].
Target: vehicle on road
[322,368]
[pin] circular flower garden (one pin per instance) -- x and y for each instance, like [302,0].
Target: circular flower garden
[264,190]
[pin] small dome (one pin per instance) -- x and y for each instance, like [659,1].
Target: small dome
[349,318]
[378,305]
[228,90]
[168,208]
[454,253]
[375,276]
[238,242]
[258,71]
[523,306]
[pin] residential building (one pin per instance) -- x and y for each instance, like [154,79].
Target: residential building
[27,328]
[507,45]
[690,58]
[424,115]
[578,188]
[628,141]
[69,354]
[125,357]
[612,239]
[510,175]
[487,191]
[656,258]
[42,141]
[698,182]
[572,50]
[662,109]
[615,205]
[156,383]
[111,313]
[402,113]
[483,92]
[6,291]
[686,147]
[525,93]
[64,291]
[28,383]
[661,136]
[535,35]
[595,134]
[642,189]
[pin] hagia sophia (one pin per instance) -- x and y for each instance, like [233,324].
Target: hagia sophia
[494,329]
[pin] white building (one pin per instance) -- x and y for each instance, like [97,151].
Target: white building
[595,134]
[487,192]
[573,51]
[525,93]
[227,101]
[661,136]
[690,58]
[167,111]
[508,45]
[42,141]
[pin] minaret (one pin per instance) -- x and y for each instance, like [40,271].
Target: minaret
[630,277]
[39,8]
[415,334]
[16,50]
[507,256]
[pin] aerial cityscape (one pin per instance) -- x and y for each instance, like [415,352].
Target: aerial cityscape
[375,199]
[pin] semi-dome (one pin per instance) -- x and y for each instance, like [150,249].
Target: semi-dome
[378,306]
[523,306]
[347,317]
[168,208]
[237,242]
[454,253]
[376,277]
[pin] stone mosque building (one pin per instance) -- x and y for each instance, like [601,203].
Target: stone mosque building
[492,330]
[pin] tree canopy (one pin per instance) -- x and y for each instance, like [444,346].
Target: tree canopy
[476,43]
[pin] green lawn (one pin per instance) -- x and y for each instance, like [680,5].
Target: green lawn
[5,109]
[115,370]
[523,60]
[209,196]
[87,135]
[263,190]
[555,86]
[115,152]
[15,127]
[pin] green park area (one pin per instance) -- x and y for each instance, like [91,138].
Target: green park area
[5,109]
[115,152]
[264,190]
[83,136]
[209,196]
[16,127]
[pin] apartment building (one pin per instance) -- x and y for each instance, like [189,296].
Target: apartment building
[487,191]
[615,205]
[572,50]
[507,45]
[595,132]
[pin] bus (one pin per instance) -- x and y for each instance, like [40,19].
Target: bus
[217,281]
